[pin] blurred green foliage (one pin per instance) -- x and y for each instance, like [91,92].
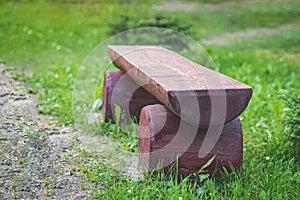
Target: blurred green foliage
[165,22]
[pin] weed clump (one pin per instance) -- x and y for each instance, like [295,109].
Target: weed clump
[149,36]
[292,118]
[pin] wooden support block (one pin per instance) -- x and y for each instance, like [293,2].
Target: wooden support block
[136,100]
[158,128]
[183,86]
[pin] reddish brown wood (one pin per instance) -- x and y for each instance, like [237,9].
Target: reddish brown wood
[228,149]
[171,77]
[110,80]
[137,100]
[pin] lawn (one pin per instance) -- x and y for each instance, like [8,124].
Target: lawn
[48,41]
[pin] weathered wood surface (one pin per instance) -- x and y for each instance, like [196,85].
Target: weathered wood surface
[136,100]
[185,87]
[158,127]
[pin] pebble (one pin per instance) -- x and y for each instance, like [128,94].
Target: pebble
[3,94]
[3,138]
[18,98]
[53,132]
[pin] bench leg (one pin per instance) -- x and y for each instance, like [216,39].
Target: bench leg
[137,100]
[152,138]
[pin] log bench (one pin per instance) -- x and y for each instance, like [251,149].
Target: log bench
[187,113]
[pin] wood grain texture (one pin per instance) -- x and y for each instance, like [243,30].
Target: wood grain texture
[154,137]
[136,100]
[182,85]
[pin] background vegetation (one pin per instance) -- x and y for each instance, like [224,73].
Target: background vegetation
[47,42]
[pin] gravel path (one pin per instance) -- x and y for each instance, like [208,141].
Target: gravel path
[227,38]
[210,7]
[32,162]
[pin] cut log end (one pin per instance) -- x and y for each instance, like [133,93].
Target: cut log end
[206,108]
[134,102]
[110,80]
[155,149]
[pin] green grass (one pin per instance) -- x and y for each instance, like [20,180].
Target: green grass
[234,18]
[52,40]
[292,119]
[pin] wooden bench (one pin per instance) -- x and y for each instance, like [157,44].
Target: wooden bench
[171,125]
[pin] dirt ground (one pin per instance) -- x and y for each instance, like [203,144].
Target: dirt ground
[35,150]
[32,162]
[196,6]
[227,38]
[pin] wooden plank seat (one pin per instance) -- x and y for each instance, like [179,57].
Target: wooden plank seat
[182,85]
